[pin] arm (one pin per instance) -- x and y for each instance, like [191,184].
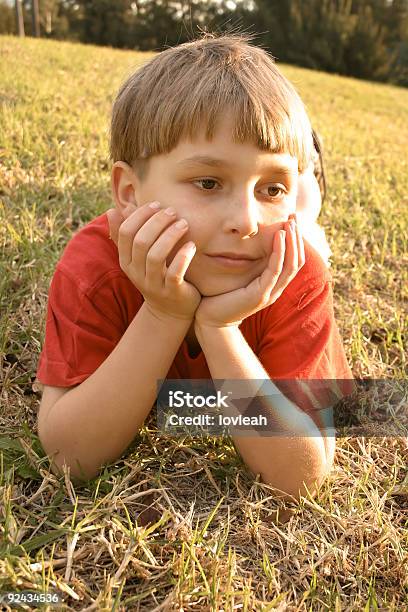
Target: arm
[284,462]
[94,422]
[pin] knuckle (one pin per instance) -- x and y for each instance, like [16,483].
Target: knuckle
[174,278]
[154,257]
[124,229]
[123,264]
[139,242]
[176,281]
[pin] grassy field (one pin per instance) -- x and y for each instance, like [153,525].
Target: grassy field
[178,524]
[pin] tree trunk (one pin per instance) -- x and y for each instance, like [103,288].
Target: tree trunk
[19,18]
[48,22]
[36,18]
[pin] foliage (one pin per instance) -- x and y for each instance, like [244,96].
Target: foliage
[362,38]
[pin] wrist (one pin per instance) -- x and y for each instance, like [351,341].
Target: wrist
[203,329]
[167,318]
[203,323]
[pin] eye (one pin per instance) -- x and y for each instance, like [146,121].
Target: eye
[271,188]
[206,181]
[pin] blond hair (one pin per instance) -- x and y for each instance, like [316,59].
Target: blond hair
[189,86]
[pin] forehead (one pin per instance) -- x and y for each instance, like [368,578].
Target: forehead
[222,151]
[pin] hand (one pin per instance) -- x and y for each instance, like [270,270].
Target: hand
[229,309]
[144,240]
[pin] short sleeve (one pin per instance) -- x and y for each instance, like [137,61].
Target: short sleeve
[303,351]
[81,329]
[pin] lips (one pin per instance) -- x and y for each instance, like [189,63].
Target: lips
[231,255]
[229,262]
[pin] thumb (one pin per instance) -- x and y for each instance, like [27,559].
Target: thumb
[115,220]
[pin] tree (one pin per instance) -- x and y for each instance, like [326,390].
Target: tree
[36,18]
[366,54]
[19,18]
[361,38]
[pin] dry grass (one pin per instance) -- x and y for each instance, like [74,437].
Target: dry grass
[178,523]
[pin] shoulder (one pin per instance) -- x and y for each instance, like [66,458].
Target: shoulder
[90,258]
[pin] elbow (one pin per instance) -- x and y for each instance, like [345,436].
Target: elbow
[306,470]
[321,457]
[61,461]
[308,486]
[76,473]
[311,487]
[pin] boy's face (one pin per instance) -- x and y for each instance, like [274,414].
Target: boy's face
[235,206]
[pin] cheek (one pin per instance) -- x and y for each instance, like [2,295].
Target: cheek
[195,233]
[200,228]
[273,215]
[267,233]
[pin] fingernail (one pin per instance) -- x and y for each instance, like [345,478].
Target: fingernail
[154,205]
[170,211]
[181,223]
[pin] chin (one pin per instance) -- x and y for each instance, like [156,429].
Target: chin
[211,291]
[211,287]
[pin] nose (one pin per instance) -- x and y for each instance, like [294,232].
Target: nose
[242,215]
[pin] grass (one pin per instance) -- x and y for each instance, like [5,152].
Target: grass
[178,524]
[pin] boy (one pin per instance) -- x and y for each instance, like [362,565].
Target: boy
[162,299]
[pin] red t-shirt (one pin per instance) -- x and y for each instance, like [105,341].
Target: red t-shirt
[91,303]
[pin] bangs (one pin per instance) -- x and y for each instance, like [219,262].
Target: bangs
[182,91]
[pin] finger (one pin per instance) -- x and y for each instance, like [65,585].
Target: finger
[137,234]
[178,267]
[115,220]
[300,247]
[271,274]
[291,255]
[116,217]
[290,266]
[299,241]
[156,270]
[124,230]
[146,238]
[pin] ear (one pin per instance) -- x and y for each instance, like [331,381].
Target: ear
[125,184]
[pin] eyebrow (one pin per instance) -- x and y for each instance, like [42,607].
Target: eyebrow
[214,162]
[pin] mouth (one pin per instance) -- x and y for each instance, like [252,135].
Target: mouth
[231,255]
[232,262]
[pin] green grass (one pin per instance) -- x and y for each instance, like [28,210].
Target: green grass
[180,522]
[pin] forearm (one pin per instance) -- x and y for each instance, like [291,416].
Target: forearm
[289,461]
[94,422]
